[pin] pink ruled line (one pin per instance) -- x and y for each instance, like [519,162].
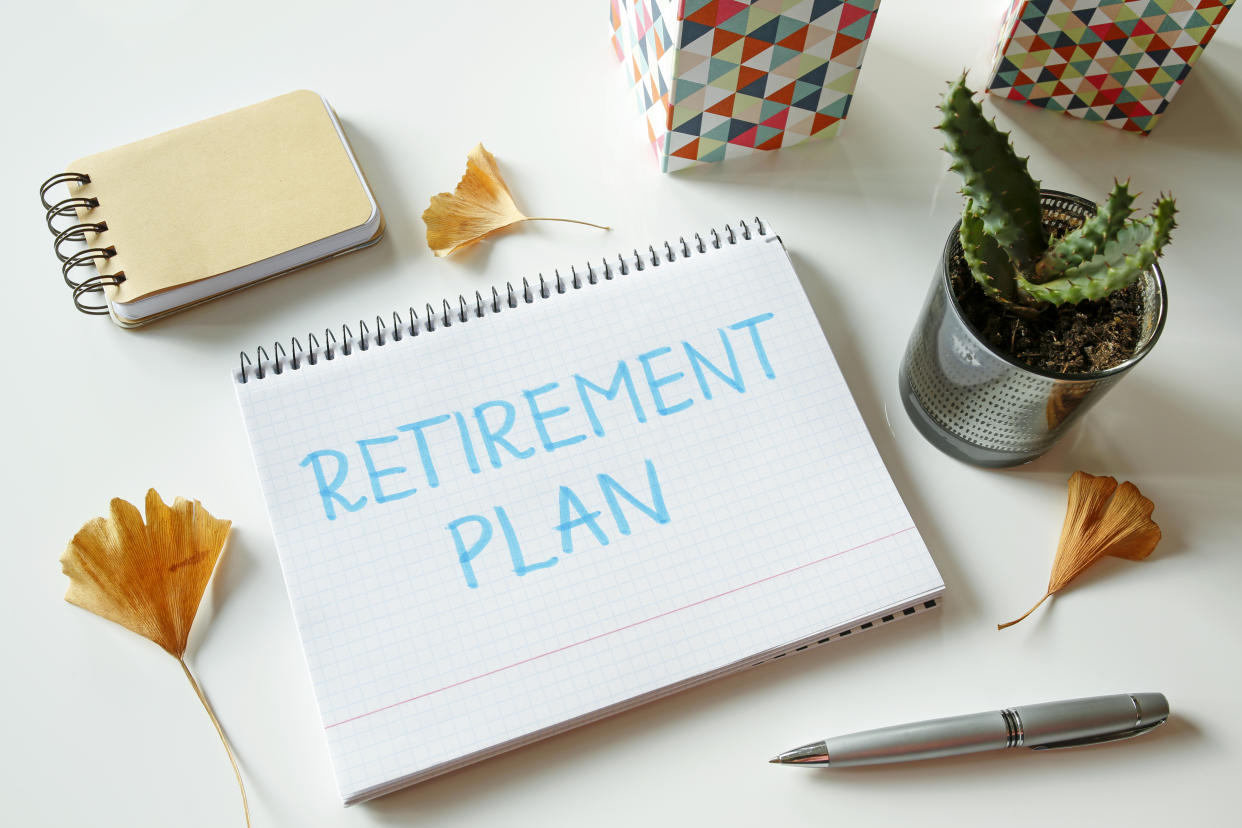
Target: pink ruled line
[598,636]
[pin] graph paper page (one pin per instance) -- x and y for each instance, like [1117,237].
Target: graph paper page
[492,528]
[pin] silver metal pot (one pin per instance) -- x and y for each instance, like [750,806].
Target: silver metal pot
[984,407]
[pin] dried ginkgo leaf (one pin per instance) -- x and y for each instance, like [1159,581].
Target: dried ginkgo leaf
[150,577]
[481,205]
[147,578]
[1101,519]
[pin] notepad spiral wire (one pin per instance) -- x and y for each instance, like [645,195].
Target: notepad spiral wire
[410,324]
[76,232]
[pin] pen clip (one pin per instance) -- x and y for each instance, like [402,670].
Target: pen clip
[1100,738]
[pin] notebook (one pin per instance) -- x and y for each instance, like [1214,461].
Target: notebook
[159,225]
[516,512]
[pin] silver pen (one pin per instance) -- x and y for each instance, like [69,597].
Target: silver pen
[1038,726]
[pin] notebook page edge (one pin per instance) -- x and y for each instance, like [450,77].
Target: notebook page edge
[915,605]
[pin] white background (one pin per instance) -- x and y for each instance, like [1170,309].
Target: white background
[100,728]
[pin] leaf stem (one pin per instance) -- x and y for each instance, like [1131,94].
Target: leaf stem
[571,221]
[227,747]
[1025,614]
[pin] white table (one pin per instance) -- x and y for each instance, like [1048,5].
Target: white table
[100,728]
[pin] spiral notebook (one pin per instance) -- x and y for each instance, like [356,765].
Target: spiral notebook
[159,225]
[513,513]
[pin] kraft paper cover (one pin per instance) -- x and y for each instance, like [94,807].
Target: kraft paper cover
[222,193]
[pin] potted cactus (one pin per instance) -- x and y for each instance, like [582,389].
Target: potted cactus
[1041,302]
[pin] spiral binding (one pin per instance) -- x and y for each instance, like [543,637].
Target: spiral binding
[265,364]
[76,232]
[812,642]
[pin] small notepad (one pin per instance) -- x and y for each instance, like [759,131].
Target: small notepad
[210,208]
[520,511]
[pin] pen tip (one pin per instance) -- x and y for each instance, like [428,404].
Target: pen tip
[814,754]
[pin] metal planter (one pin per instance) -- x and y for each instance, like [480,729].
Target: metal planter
[985,408]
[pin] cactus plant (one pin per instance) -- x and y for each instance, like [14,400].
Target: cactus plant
[1003,239]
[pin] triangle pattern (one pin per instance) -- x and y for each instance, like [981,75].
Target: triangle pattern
[717,79]
[1117,62]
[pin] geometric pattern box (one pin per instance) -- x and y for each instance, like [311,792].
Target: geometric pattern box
[1119,62]
[718,79]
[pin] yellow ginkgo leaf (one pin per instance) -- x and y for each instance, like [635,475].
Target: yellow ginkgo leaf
[1101,519]
[150,577]
[481,205]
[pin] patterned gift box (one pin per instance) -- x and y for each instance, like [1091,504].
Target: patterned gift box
[1115,61]
[717,79]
